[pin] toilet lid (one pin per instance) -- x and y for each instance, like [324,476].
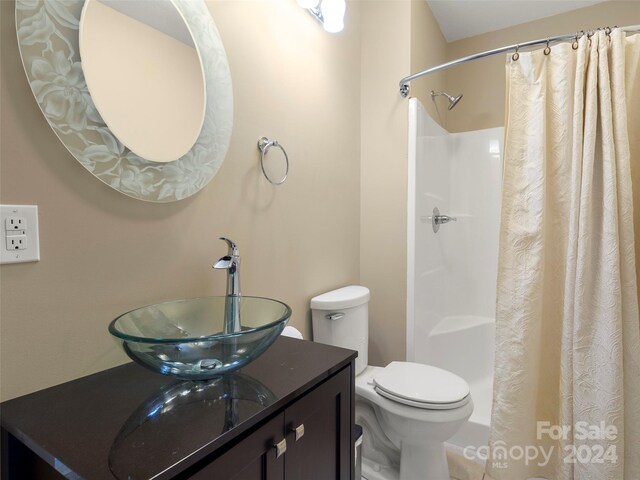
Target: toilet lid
[425,405]
[412,383]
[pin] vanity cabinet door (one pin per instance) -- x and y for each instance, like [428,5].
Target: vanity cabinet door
[318,432]
[253,458]
[322,423]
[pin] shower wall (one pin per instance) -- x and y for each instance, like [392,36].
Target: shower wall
[452,273]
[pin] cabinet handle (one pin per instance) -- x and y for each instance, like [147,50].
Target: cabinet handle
[281,447]
[299,430]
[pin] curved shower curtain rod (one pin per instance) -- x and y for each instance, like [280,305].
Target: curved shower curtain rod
[404,83]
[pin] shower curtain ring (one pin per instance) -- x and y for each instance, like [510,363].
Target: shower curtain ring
[547,50]
[516,55]
[575,44]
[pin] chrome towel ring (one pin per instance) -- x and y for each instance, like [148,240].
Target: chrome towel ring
[264,144]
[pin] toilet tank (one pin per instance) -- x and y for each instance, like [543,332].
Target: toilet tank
[341,318]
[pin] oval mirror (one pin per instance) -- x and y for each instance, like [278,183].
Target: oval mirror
[48,36]
[157,108]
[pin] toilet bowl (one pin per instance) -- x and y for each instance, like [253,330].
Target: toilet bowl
[416,407]
[418,432]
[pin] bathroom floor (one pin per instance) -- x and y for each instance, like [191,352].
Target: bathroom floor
[461,468]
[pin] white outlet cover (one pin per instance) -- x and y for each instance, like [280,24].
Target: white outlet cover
[30,214]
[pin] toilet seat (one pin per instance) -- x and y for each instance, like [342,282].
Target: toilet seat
[421,386]
[425,405]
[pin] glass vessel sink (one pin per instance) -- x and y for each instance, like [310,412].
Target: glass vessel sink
[186,338]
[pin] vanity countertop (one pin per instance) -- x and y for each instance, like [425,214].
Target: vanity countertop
[88,427]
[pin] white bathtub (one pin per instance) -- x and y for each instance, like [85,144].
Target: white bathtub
[464,345]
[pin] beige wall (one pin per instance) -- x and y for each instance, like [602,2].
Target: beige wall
[483,81]
[397,37]
[428,48]
[385,59]
[104,253]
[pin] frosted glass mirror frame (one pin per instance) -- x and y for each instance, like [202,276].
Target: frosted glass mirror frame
[48,40]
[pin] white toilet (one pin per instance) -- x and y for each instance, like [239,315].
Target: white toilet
[408,410]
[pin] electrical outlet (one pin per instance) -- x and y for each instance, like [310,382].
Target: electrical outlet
[16,242]
[15,223]
[19,240]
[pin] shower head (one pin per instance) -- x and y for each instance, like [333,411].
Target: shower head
[453,101]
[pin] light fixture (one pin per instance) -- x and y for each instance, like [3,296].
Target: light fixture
[330,13]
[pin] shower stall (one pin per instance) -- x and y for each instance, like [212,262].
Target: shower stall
[451,284]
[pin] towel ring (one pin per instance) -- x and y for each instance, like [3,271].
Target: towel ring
[264,144]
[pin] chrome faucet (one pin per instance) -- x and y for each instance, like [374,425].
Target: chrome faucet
[231,263]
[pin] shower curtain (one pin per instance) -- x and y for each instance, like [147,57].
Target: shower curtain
[567,374]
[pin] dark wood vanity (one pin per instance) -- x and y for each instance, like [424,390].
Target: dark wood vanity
[288,415]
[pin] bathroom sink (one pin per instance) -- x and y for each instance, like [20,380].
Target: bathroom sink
[189,339]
